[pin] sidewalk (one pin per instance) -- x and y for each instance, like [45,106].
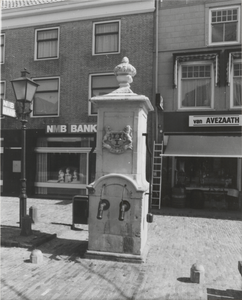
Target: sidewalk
[177,239]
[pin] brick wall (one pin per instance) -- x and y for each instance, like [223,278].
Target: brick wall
[76,62]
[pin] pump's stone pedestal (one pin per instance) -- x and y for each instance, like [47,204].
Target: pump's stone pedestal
[118,200]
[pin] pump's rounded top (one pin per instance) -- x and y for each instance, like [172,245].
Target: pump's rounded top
[125,68]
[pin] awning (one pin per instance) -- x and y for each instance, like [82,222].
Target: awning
[214,57]
[209,146]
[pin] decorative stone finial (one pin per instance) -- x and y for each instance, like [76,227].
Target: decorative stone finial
[124,73]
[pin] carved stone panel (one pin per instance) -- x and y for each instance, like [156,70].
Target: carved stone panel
[118,141]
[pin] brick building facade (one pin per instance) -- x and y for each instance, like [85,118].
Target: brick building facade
[62,44]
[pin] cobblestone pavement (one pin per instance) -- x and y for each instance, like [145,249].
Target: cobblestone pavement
[177,239]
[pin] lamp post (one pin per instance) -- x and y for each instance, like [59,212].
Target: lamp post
[24,90]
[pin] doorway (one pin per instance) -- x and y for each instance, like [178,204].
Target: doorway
[12,171]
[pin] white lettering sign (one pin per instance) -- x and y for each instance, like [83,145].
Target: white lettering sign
[73,128]
[216,120]
[56,128]
[8,109]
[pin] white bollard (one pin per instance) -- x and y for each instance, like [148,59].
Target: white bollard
[197,273]
[36,256]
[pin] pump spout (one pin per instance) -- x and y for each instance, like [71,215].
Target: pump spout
[103,205]
[122,212]
[123,207]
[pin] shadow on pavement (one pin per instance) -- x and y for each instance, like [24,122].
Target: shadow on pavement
[64,202]
[199,213]
[10,237]
[214,294]
[184,279]
[67,249]
[63,224]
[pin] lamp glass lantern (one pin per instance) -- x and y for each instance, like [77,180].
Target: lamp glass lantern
[24,88]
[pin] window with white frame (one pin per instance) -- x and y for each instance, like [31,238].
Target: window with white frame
[195,85]
[46,100]
[236,83]
[224,25]
[63,163]
[2,48]
[2,90]
[47,43]
[106,37]
[100,84]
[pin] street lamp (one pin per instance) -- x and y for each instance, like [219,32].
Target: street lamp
[24,90]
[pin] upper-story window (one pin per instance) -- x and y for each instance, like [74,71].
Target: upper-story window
[47,43]
[224,25]
[2,50]
[46,100]
[235,79]
[195,76]
[237,84]
[195,85]
[100,84]
[106,37]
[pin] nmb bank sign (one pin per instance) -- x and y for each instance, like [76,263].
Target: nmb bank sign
[72,128]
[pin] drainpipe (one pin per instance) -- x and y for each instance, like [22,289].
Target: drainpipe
[156,62]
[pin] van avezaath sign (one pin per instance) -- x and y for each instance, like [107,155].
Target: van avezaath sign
[71,128]
[216,120]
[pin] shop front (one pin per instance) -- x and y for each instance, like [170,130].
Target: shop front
[60,161]
[203,163]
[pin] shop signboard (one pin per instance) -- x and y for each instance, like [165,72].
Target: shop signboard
[71,128]
[215,120]
[8,108]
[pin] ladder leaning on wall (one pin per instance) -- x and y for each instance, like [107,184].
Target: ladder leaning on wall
[156,180]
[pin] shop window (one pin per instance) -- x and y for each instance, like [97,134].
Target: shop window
[224,25]
[2,162]
[67,167]
[100,84]
[47,43]
[63,163]
[2,90]
[2,50]
[206,172]
[106,37]
[46,101]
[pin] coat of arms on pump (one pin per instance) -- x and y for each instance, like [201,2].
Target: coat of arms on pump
[118,141]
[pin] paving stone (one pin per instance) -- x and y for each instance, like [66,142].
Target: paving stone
[176,239]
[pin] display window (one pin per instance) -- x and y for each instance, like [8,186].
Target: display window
[63,164]
[206,172]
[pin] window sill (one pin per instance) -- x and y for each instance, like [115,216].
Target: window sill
[235,108]
[223,44]
[44,116]
[62,185]
[196,109]
[47,58]
[106,53]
